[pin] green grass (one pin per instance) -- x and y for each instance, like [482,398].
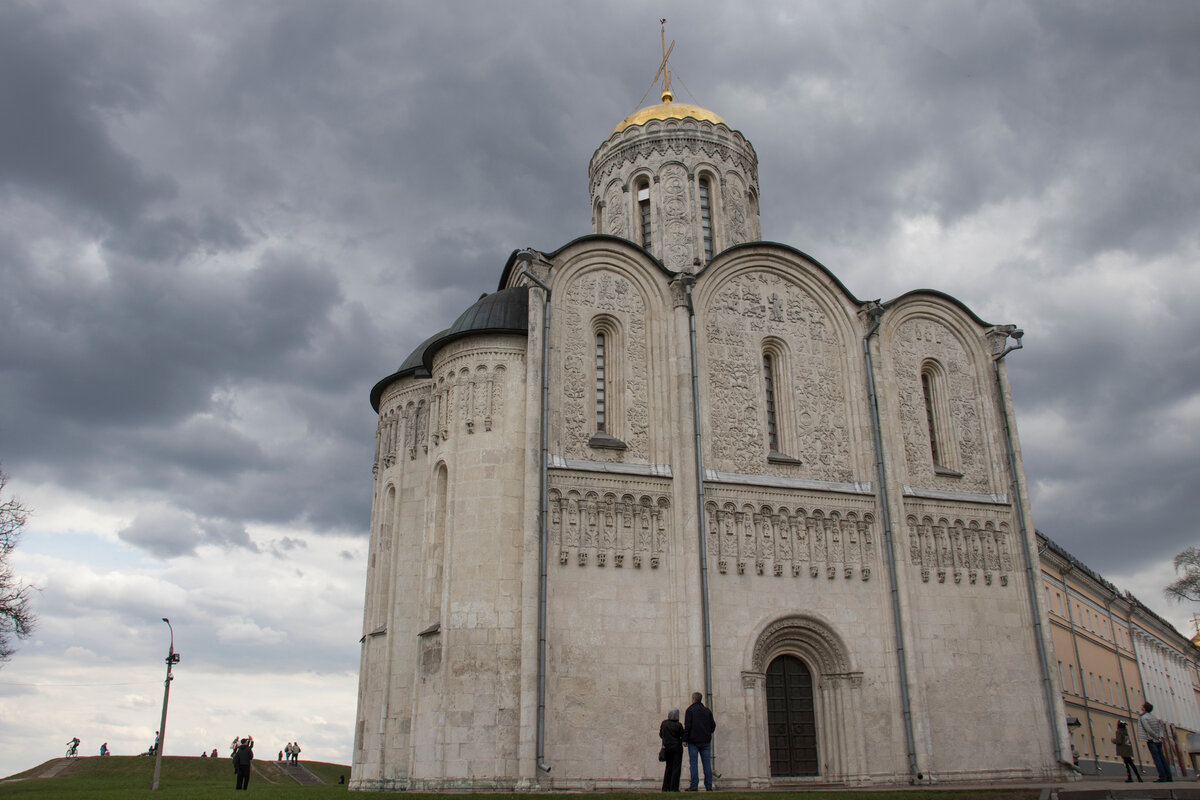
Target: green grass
[190,778]
[120,777]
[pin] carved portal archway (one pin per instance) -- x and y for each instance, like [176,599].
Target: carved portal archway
[835,688]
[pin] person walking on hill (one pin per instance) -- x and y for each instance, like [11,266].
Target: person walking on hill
[698,727]
[242,757]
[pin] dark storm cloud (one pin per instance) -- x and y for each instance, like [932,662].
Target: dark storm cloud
[60,82]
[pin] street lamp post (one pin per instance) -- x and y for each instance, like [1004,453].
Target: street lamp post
[172,659]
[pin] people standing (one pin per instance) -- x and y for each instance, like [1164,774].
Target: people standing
[671,734]
[698,727]
[295,752]
[1152,731]
[242,757]
[1125,751]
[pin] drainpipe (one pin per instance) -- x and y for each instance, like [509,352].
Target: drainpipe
[1087,709]
[1112,626]
[525,257]
[688,282]
[875,312]
[1030,575]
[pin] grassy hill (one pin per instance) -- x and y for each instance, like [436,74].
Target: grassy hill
[121,777]
[191,778]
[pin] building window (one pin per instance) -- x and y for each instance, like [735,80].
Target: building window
[643,204]
[777,403]
[601,382]
[706,228]
[607,391]
[939,421]
[769,391]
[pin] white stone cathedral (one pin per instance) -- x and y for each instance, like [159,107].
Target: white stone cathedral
[671,457]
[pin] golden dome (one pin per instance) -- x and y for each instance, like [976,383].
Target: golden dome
[667,109]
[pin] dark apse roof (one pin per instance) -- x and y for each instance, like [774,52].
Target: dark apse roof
[505,311]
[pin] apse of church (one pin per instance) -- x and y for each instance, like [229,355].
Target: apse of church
[669,456]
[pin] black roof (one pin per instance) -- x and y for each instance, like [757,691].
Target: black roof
[505,311]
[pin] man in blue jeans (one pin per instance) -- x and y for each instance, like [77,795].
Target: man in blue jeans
[698,727]
[1153,731]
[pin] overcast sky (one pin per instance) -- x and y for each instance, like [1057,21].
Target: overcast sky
[222,223]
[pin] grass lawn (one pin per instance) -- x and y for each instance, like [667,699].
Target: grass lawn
[190,778]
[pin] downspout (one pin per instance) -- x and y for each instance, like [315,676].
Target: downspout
[1087,709]
[525,257]
[689,281]
[875,312]
[1112,626]
[1030,575]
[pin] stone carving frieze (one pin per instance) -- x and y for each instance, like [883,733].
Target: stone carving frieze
[736,153]
[467,396]
[950,547]
[741,315]
[608,526]
[790,539]
[610,294]
[916,340]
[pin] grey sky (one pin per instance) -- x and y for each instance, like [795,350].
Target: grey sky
[221,223]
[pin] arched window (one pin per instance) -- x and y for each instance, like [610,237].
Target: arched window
[436,545]
[608,384]
[769,391]
[777,403]
[706,223]
[601,380]
[939,422]
[643,205]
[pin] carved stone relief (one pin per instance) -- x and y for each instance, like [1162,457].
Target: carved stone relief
[616,215]
[918,339]
[811,540]
[736,229]
[612,295]
[741,314]
[608,526]
[956,549]
[466,397]
[676,221]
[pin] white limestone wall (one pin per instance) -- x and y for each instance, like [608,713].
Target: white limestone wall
[392,613]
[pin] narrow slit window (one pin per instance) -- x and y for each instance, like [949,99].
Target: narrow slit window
[927,390]
[939,421]
[643,200]
[601,383]
[769,388]
[706,219]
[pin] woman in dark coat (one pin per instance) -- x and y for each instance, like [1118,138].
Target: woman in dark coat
[671,733]
[1125,751]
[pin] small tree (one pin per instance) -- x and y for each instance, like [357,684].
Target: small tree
[1188,586]
[16,618]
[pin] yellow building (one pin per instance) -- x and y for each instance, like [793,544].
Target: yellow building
[1112,654]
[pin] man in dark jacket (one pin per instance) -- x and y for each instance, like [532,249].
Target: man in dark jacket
[698,727]
[242,757]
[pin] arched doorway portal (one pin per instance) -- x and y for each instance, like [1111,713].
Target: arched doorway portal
[791,719]
[804,695]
